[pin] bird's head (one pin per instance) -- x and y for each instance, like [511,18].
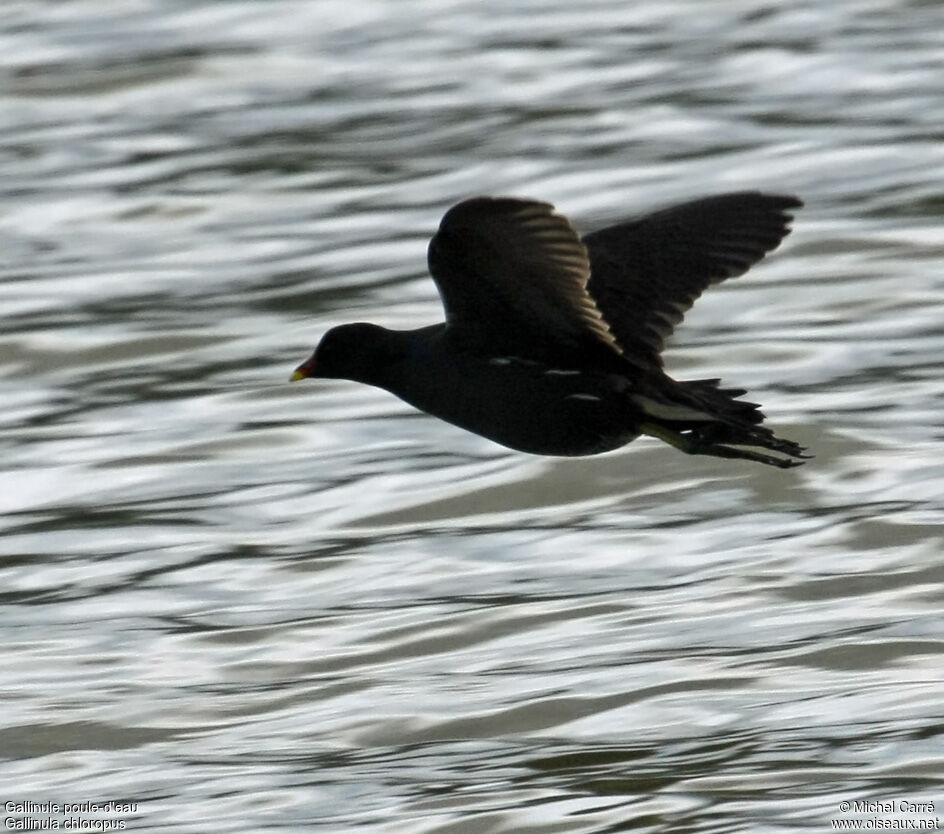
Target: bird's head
[350,351]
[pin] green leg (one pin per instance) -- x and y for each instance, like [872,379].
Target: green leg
[673,438]
[692,446]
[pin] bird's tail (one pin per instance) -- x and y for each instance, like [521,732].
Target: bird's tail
[701,418]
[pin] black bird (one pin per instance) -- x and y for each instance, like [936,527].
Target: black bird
[552,344]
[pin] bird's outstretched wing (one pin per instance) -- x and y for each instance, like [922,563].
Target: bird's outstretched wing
[513,273]
[646,273]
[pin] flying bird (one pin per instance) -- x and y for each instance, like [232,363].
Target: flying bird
[552,343]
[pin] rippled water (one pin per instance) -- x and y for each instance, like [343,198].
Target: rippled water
[242,605]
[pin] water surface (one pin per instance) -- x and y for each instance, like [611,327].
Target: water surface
[245,605]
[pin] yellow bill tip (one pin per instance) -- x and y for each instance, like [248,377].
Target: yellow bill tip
[305,370]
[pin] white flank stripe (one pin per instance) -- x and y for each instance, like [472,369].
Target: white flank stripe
[556,372]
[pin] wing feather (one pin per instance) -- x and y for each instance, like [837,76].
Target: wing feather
[511,271]
[647,273]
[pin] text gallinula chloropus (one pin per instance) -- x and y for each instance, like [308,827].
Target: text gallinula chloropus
[551,344]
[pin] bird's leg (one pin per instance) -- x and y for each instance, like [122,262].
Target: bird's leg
[714,434]
[673,438]
[693,444]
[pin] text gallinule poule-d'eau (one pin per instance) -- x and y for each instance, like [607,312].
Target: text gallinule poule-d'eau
[552,344]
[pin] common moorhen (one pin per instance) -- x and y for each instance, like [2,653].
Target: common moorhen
[552,344]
